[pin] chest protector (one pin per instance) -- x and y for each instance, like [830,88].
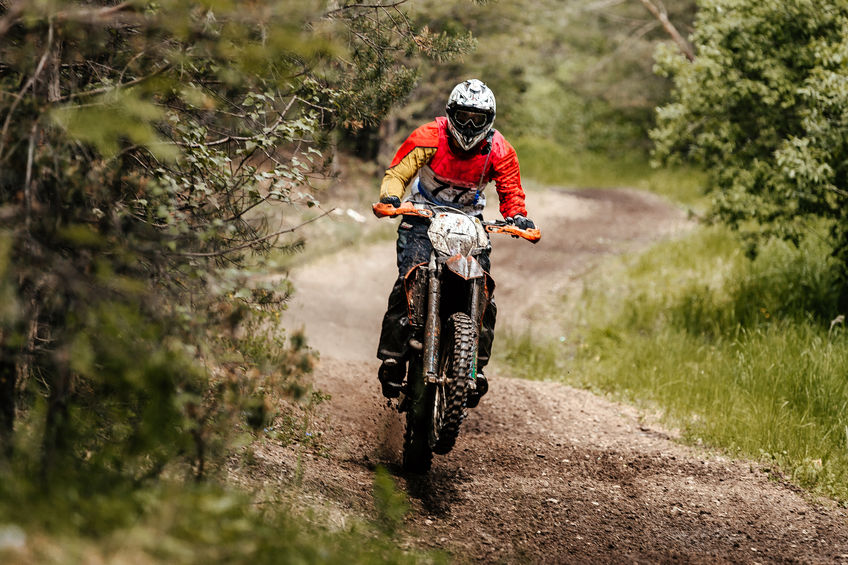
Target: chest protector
[453,178]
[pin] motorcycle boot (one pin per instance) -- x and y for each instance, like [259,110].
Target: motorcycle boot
[391,375]
[487,335]
[481,388]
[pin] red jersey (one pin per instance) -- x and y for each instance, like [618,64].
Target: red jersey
[444,176]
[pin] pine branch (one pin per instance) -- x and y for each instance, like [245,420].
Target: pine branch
[20,95]
[661,14]
[253,241]
[377,6]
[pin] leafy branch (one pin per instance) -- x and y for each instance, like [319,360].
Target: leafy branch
[661,14]
[253,242]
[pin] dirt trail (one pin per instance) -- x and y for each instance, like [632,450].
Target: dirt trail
[541,472]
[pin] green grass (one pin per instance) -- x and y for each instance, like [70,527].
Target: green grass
[203,523]
[748,356]
[550,163]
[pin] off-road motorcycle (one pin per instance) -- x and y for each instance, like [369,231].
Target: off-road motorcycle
[447,298]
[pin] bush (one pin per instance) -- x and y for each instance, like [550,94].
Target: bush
[763,110]
[748,356]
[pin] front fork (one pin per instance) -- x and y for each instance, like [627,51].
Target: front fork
[433,325]
[476,313]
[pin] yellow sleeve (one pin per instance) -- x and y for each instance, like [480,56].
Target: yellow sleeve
[397,177]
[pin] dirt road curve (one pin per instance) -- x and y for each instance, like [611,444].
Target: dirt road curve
[541,472]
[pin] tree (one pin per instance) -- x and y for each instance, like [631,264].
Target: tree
[661,14]
[577,75]
[764,108]
[151,154]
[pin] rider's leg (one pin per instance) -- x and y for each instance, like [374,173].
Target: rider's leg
[487,334]
[413,248]
[395,330]
[484,343]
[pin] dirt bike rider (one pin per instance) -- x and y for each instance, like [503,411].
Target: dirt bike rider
[447,162]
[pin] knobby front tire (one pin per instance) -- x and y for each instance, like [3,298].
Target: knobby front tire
[459,346]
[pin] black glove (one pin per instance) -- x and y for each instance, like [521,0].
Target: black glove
[521,222]
[393,200]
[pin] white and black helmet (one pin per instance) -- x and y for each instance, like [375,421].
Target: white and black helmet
[471,113]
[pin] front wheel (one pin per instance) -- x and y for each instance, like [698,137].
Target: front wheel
[456,364]
[417,453]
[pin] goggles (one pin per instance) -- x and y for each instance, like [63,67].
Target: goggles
[465,118]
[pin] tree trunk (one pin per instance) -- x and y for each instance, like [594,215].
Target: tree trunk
[56,368]
[7,399]
[57,419]
[388,129]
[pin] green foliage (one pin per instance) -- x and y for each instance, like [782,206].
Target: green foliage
[763,108]
[382,69]
[726,291]
[151,156]
[188,524]
[748,356]
[8,305]
[576,74]
[145,142]
[391,504]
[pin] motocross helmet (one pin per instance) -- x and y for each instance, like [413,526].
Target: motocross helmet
[471,112]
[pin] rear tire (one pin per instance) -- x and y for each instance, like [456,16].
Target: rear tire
[456,362]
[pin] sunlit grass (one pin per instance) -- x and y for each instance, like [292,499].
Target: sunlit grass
[550,163]
[751,357]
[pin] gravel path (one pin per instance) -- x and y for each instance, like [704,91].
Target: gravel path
[541,472]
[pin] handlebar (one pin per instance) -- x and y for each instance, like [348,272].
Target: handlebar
[382,210]
[533,235]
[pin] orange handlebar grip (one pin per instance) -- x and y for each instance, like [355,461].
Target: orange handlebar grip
[406,209]
[532,235]
[383,210]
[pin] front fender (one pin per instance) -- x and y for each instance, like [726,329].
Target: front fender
[465,267]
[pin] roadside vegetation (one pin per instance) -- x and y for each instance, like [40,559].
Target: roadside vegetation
[154,160]
[179,523]
[158,160]
[554,165]
[746,356]
[738,343]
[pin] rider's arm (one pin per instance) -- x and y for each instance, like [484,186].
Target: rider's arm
[507,177]
[413,154]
